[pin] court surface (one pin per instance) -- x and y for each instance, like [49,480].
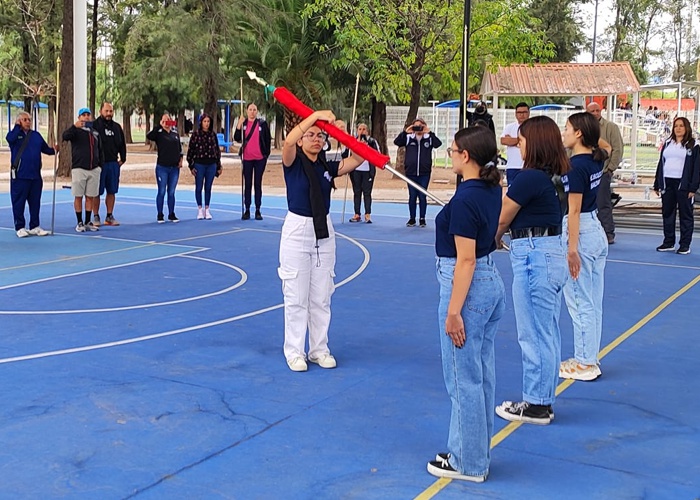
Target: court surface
[145,361]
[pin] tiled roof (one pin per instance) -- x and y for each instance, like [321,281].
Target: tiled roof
[561,79]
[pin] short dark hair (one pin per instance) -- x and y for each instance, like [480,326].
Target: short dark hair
[480,143]
[544,149]
[522,105]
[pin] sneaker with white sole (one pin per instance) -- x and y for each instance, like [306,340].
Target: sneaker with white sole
[442,468]
[111,221]
[297,364]
[80,228]
[38,231]
[523,411]
[324,361]
[200,214]
[665,247]
[23,233]
[572,369]
[96,220]
[207,214]
[91,227]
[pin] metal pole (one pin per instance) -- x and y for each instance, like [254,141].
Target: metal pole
[595,31]
[415,185]
[352,129]
[79,55]
[464,85]
[55,156]
[242,141]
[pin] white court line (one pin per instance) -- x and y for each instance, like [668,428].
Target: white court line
[202,326]
[244,278]
[637,263]
[93,270]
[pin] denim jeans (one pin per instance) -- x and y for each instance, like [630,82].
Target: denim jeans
[584,296]
[470,372]
[203,179]
[413,193]
[539,273]
[167,178]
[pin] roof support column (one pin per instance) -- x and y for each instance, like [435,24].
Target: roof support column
[633,137]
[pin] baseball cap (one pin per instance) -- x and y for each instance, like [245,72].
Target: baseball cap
[82,111]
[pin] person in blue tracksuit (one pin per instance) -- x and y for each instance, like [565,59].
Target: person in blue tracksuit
[25,176]
[419,142]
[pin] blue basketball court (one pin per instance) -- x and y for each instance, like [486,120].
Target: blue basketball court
[145,361]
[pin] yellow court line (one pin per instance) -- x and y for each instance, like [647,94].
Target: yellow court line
[438,485]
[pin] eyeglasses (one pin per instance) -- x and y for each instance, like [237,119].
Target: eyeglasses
[455,150]
[316,137]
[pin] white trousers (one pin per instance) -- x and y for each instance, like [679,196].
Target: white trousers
[307,273]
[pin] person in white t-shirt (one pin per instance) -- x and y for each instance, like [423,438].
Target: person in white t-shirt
[509,138]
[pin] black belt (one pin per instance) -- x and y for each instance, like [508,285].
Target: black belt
[534,232]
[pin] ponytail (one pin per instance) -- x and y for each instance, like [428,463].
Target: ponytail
[490,172]
[599,154]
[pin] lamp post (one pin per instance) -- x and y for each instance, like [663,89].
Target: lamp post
[464,84]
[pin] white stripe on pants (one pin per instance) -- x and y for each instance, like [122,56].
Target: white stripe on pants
[307,274]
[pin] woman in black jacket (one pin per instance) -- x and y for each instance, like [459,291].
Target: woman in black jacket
[419,142]
[677,180]
[204,160]
[254,135]
[168,164]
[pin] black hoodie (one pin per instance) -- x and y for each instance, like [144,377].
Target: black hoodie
[111,138]
[86,152]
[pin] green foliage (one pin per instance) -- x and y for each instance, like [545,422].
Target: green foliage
[556,18]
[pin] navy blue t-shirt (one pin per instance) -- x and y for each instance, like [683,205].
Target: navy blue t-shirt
[472,213]
[534,191]
[584,177]
[298,189]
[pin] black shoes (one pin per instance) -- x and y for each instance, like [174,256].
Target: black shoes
[258,215]
[523,411]
[173,218]
[411,223]
[246,214]
[664,248]
[421,222]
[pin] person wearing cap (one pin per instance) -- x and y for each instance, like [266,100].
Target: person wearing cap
[87,159]
[481,113]
[419,142]
[114,146]
[26,147]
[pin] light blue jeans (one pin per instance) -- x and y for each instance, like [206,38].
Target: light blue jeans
[166,178]
[470,372]
[539,273]
[584,296]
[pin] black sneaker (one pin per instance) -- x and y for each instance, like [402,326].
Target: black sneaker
[525,412]
[683,250]
[411,223]
[422,223]
[664,248]
[246,214]
[161,219]
[442,468]
[258,215]
[173,218]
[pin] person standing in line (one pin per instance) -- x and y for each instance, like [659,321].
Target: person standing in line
[586,245]
[87,158]
[254,135]
[677,180]
[509,138]
[168,164]
[204,160]
[610,133]
[532,211]
[472,302]
[362,178]
[419,142]
[114,146]
[307,245]
[26,184]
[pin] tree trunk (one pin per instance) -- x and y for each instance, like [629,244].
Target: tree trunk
[93,59]
[415,101]
[378,118]
[126,126]
[279,127]
[65,106]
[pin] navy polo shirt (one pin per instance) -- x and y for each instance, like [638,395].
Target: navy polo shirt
[472,213]
[534,191]
[298,189]
[584,177]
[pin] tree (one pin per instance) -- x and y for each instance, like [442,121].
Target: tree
[556,18]
[65,108]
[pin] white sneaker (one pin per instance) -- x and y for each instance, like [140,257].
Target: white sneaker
[38,231]
[207,214]
[297,364]
[23,233]
[200,214]
[80,228]
[324,361]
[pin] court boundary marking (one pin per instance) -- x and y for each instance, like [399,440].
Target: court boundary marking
[202,326]
[510,428]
